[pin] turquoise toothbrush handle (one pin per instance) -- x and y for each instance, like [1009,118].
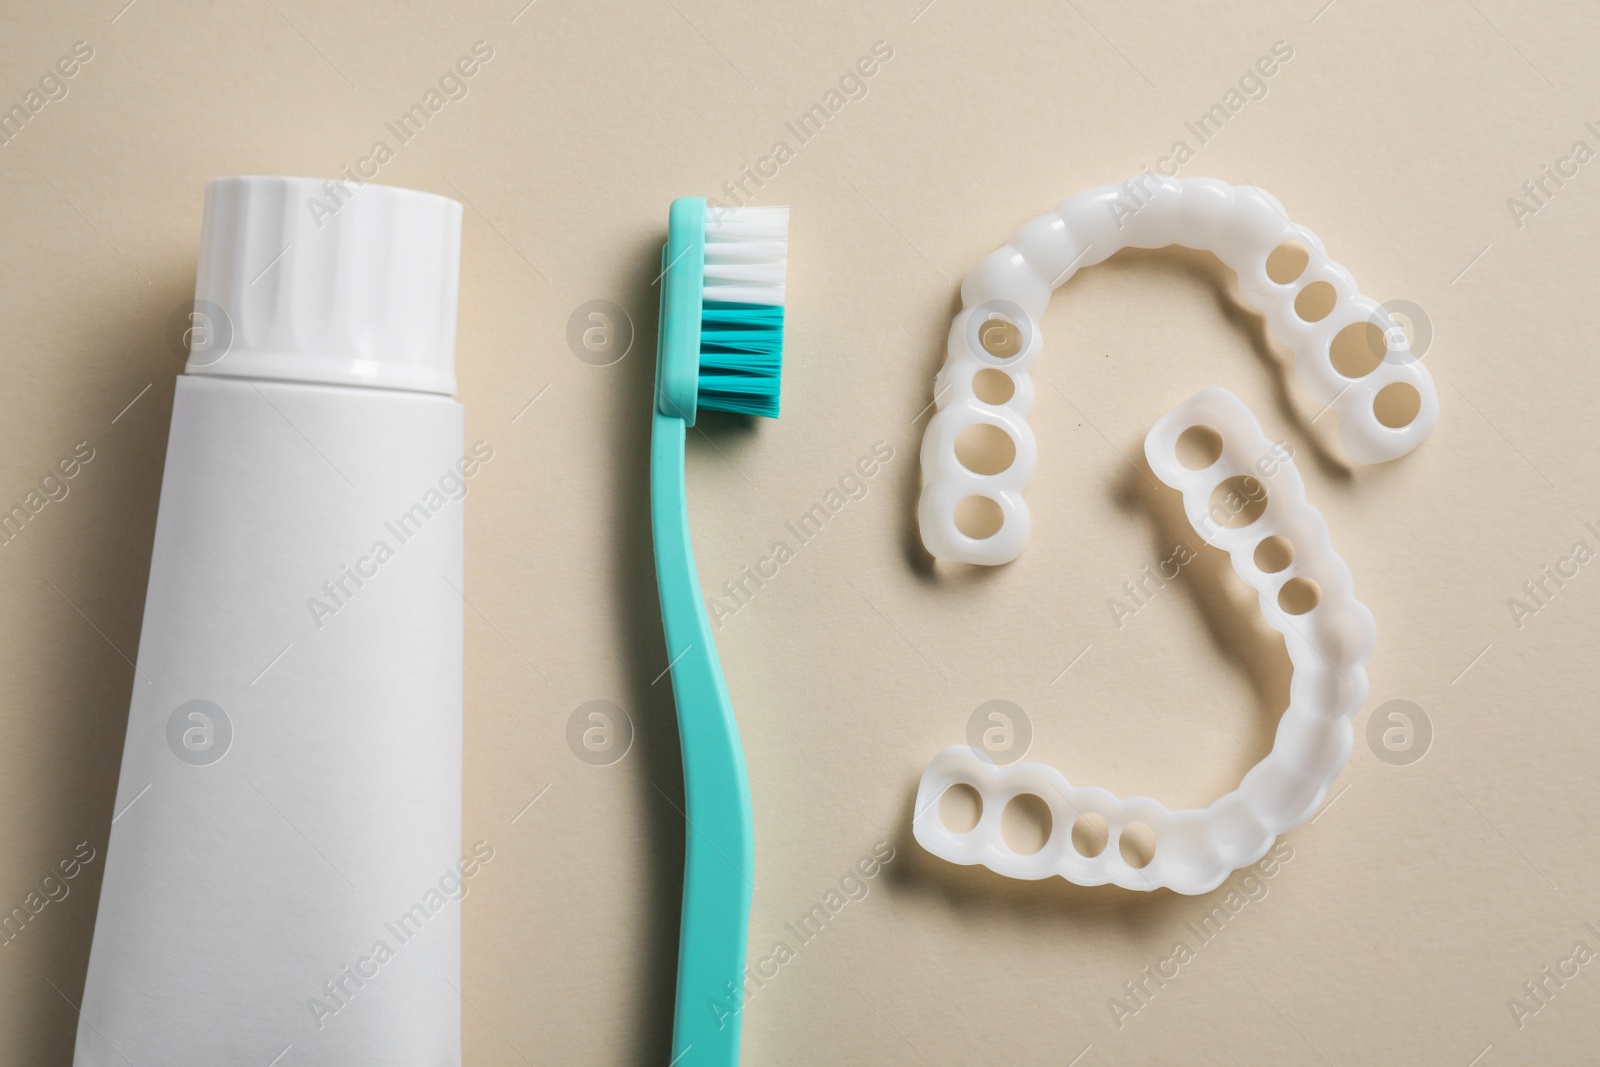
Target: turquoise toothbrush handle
[719,860]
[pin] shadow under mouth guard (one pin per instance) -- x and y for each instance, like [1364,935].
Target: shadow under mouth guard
[1284,553]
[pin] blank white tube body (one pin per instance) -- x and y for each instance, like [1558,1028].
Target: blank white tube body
[285,867]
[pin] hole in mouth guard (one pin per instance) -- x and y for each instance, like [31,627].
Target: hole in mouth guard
[1329,645]
[1004,297]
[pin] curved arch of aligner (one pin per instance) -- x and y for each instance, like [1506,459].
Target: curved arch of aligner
[1010,288]
[1329,636]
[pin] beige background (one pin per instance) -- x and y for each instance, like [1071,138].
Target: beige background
[1411,911]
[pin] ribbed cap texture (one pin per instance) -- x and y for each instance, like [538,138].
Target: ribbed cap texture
[306,280]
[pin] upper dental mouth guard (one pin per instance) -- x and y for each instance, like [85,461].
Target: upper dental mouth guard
[1004,297]
[1285,554]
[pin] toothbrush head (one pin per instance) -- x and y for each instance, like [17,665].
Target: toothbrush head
[722,291]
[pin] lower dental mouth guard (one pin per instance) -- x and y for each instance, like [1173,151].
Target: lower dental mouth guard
[1305,593]
[1386,405]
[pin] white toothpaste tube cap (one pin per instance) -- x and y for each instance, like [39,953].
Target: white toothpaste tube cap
[333,282]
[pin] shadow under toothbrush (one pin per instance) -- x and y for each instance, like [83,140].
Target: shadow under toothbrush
[657,763]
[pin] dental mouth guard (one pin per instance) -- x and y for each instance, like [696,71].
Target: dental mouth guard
[1305,594]
[1309,301]
[1283,552]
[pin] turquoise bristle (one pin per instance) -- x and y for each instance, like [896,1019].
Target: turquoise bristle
[741,357]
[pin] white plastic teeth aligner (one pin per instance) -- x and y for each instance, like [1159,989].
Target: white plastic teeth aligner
[1305,593]
[1003,299]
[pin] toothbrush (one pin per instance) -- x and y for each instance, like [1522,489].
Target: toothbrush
[720,346]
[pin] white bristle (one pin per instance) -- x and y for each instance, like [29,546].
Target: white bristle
[746,249]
